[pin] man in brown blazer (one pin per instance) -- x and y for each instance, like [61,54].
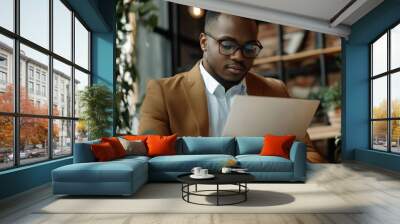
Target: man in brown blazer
[187,103]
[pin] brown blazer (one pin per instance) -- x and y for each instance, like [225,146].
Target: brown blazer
[179,104]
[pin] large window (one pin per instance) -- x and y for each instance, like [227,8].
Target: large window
[44,64]
[385,91]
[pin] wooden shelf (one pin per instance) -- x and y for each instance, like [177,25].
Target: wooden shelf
[305,54]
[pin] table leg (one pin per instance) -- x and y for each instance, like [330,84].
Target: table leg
[188,192]
[245,191]
[196,188]
[217,194]
[182,190]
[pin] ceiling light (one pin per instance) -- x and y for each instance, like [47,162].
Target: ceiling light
[196,12]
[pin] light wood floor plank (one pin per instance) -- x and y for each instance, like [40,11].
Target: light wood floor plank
[377,191]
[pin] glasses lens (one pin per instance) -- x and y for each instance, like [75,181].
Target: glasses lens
[251,50]
[227,47]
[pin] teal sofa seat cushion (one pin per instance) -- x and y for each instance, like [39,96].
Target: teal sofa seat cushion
[209,145]
[257,163]
[118,177]
[111,171]
[185,163]
[132,159]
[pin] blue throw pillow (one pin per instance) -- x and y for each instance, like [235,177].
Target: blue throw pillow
[207,145]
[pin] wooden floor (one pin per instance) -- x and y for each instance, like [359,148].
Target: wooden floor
[378,189]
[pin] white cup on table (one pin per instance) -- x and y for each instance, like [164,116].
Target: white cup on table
[196,171]
[203,172]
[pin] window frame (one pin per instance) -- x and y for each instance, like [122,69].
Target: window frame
[388,74]
[3,77]
[16,114]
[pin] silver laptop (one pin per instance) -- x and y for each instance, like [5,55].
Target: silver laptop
[257,116]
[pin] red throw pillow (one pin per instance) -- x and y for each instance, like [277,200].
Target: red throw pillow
[161,145]
[135,137]
[103,151]
[277,145]
[116,145]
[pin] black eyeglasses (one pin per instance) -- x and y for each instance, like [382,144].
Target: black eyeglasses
[228,47]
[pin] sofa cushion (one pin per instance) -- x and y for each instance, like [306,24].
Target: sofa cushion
[135,137]
[116,145]
[135,147]
[159,145]
[206,145]
[257,163]
[185,163]
[111,171]
[103,152]
[249,145]
[275,145]
[83,152]
[131,158]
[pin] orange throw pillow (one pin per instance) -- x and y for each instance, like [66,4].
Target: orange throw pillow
[103,151]
[277,145]
[135,137]
[116,145]
[161,145]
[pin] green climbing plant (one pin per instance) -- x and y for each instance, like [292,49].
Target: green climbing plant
[96,104]
[330,97]
[129,15]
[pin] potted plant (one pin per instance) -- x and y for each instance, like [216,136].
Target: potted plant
[95,103]
[330,98]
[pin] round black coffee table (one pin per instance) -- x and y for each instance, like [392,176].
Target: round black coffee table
[238,179]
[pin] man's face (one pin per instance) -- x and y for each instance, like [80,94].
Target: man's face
[234,67]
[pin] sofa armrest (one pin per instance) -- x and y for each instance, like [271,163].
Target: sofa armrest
[83,152]
[298,155]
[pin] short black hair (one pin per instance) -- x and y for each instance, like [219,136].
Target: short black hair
[212,16]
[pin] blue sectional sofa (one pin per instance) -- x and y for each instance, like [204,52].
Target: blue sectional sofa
[125,176]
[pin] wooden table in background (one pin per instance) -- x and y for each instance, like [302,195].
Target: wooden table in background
[326,132]
[323,132]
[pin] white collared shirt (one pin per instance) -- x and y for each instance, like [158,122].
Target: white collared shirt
[219,101]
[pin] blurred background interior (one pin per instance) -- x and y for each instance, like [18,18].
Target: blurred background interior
[308,62]
[165,41]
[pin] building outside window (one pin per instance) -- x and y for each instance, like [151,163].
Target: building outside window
[38,89]
[3,71]
[43,90]
[3,61]
[43,78]
[3,78]
[3,81]
[30,72]
[55,96]
[30,87]
[37,75]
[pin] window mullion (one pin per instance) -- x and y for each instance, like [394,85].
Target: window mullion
[73,82]
[16,84]
[50,81]
[371,97]
[89,55]
[389,106]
